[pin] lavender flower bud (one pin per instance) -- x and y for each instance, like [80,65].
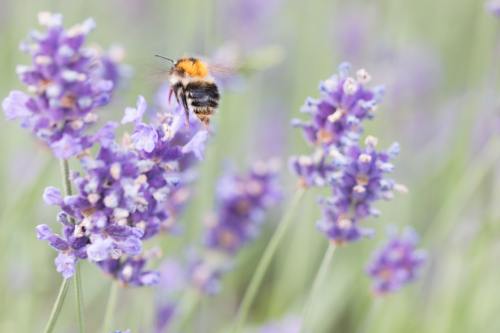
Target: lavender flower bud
[397,263]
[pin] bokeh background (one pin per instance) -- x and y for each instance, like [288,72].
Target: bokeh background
[439,61]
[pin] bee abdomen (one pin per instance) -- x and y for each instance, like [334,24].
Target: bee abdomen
[207,110]
[197,103]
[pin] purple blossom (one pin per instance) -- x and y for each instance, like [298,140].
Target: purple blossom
[358,180]
[241,203]
[65,87]
[335,119]
[124,194]
[133,115]
[52,196]
[179,146]
[397,263]
[206,270]
[132,270]
[145,138]
[65,264]
[341,228]
[312,170]
[111,66]
[355,174]
[70,248]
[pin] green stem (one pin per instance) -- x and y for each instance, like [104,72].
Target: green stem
[79,299]
[370,316]
[110,308]
[56,309]
[77,281]
[265,261]
[318,282]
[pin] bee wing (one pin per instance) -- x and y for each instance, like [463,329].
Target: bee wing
[220,69]
[223,73]
[154,73]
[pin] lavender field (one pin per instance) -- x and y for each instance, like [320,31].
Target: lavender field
[250,166]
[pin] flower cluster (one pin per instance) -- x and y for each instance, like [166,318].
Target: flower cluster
[66,86]
[122,196]
[336,117]
[355,173]
[397,263]
[241,202]
[113,210]
[357,182]
[175,140]
[171,145]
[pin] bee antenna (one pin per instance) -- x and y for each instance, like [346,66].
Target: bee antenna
[168,59]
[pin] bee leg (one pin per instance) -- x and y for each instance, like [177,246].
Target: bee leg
[186,107]
[206,122]
[170,93]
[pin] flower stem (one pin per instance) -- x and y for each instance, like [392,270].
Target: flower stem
[318,282]
[110,308]
[79,299]
[370,316]
[77,280]
[265,261]
[56,309]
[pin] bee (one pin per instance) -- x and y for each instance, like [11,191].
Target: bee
[193,87]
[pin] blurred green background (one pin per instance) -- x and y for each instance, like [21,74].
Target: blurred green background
[439,61]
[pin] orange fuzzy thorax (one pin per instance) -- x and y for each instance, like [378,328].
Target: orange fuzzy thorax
[193,67]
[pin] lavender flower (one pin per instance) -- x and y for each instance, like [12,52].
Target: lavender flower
[131,270]
[110,212]
[206,270]
[358,180]
[64,84]
[312,170]
[177,144]
[122,195]
[355,174]
[70,248]
[397,263]
[336,117]
[241,203]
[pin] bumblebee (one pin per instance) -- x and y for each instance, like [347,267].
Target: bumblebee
[194,88]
